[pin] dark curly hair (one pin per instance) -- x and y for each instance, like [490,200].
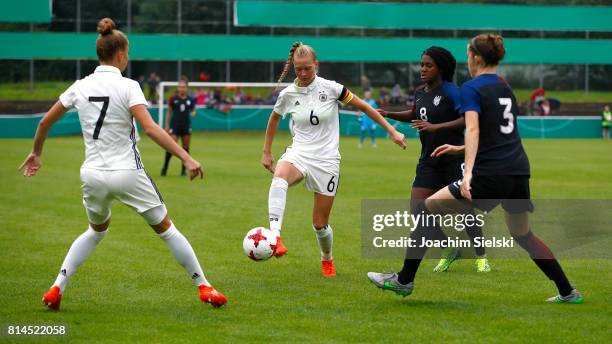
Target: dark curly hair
[444,60]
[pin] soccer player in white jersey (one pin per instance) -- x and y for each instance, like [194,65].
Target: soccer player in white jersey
[312,102]
[107,105]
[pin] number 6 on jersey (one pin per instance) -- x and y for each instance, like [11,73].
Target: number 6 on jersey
[314,120]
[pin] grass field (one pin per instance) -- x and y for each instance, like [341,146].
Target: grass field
[50,90]
[131,289]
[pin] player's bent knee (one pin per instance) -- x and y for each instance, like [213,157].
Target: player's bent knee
[281,172]
[288,172]
[97,219]
[517,231]
[155,216]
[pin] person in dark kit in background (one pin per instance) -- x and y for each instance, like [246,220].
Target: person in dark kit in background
[178,122]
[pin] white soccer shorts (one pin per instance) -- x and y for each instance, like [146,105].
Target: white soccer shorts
[320,175]
[133,188]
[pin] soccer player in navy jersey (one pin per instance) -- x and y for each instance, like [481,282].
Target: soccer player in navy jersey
[496,172]
[178,121]
[436,115]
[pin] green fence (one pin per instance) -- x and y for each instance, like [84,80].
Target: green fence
[26,11]
[25,45]
[422,16]
[252,118]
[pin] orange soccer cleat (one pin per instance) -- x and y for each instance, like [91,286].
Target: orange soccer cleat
[52,298]
[281,250]
[208,294]
[328,268]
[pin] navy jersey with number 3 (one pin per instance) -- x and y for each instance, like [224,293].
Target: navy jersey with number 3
[500,151]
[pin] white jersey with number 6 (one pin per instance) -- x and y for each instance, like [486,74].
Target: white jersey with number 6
[103,100]
[314,116]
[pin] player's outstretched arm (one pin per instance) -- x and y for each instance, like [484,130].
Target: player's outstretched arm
[32,162]
[402,116]
[267,160]
[395,135]
[162,138]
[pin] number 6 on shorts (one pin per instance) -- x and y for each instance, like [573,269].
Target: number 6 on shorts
[331,186]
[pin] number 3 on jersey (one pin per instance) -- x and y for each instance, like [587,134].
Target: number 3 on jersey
[104,101]
[507,129]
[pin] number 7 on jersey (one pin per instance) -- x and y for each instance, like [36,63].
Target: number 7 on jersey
[104,101]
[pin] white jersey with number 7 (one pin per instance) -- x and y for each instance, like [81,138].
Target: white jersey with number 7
[103,100]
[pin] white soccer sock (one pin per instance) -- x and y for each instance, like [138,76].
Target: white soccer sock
[77,254]
[325,237]
[276,203]
[184,254]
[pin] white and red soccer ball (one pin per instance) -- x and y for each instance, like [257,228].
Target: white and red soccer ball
[259,243]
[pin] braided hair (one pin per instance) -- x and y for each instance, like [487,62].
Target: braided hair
[289,61]
[444,60]
[297,49]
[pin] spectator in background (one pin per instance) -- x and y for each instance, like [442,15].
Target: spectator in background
[544,107]
[410,97]
[215,98]
[536,94]
[141,82]
[366,85]
[239,97]
[383,97]
[153,82]
[366,122]
[272,97]
[220,102]
[201,97]
[204,76]
[259,100]
[396,94]
[539,105]
[554,104]
[606,122]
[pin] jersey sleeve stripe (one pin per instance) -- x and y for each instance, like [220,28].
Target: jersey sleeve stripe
[345,96]
[136,155]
